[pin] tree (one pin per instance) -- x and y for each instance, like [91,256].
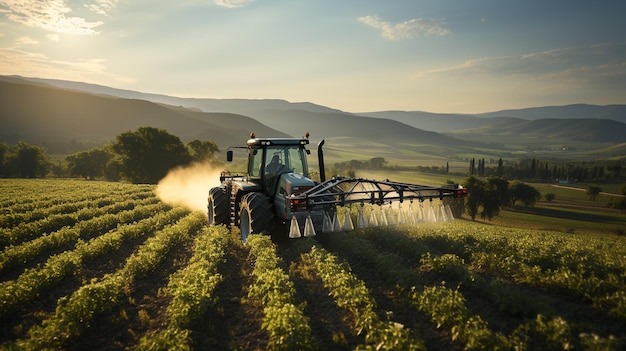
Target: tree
[148,153]
[475,188]
[113,170]
[202,150]
[488,196]
[519,191]
[88,164]
[494,196]
[500,171]
[550,196]
[27,161]
[377,162]
[593,191]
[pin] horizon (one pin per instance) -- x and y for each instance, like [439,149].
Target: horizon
[29,79]
[452,57]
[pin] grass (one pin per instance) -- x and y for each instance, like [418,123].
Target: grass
[563,220]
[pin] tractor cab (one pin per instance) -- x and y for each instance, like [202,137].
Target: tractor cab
[268,158]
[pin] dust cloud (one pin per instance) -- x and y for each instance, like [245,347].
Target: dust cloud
[189,185]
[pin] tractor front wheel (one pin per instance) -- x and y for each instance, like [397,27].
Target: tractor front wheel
[217,207]
[255,215]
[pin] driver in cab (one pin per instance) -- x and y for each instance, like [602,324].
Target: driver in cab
[274,165]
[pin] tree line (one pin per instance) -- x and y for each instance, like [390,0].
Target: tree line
[141,156]
[535,169]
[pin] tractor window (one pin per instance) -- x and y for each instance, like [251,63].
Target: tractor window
[297,160]
[288,158]
[256,161]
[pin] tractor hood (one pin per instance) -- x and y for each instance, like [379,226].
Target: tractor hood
[294,183]
[289,184]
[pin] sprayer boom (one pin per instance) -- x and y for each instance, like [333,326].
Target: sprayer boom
[340,191]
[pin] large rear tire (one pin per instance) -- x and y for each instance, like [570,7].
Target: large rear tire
[217,207]
[255,215]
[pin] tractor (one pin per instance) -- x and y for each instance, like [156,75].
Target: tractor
[277,195]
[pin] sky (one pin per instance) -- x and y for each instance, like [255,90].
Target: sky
[444,56]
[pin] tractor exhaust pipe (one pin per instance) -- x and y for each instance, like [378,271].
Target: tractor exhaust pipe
[320,160]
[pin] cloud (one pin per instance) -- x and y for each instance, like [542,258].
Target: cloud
[102,7]
[50,15]
[595,74]
[232,3]
[54,37]
[565,64]
[25,41]
[410,29]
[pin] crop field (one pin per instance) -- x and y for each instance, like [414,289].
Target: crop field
[96,265]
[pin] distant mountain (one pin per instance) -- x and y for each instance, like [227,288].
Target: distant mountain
[436,122]
[345,125]
[549,131]
[446,122]
[43,114]
[262,109]
[39,113]
[43,110]
[244,107]
[577,111]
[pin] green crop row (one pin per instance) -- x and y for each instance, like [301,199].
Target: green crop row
[99,223]
[444,310]
[351,294]
[447,307]
[30,284]
[29,230]
[75,312]
[287,326]
[23,195]
[192,291]
[15,216]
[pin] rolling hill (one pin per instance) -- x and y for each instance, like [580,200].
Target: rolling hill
[576,111]
[437,122]
[43,114]
[44,111]
[584,130]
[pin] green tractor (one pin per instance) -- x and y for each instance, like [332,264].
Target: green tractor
[278,196]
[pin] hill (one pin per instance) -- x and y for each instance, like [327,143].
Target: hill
[245,107]
[550,131]
[78,111]
[576,111]
[555,117]
[436,122]
[43,114]
[39,113]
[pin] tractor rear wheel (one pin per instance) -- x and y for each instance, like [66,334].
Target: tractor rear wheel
[255,215]
[217,207]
